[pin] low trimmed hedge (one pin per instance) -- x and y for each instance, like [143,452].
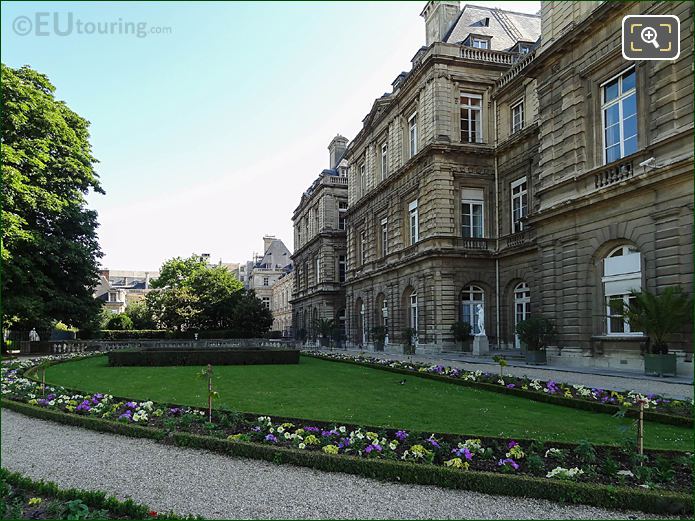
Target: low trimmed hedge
[94,499]
[670,419]
[156,334]
[653,501]
[178,357]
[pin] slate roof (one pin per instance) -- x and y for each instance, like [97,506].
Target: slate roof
[505,28]
[276,256]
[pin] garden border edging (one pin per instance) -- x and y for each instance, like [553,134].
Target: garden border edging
[403,472]
[668,419]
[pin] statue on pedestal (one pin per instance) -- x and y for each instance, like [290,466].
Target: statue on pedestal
[481,320]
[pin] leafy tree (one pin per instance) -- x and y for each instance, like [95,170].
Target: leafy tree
[174,308]
[140,315]
[206,294]
[49,243]
[658,316]
[175,272]
[119,321]
[325,327]
[250,317]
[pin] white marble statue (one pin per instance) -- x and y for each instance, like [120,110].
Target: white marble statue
[33,335]
[481,320]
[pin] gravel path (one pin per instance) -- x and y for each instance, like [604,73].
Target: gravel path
[665,387]
[219,487]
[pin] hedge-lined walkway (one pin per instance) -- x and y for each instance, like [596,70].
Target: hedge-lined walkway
[219,487]
[678,388]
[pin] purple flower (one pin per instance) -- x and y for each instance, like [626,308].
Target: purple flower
[51,397]
[256,429]
[371,447]
[312,429]
[401,435]
[344,442]
[131,405]
[463,452]
[510,386]
[271,438]
[512,444]
[125,416]
[327,434]
[508,462]
[433,442]
[43,402]
[175,411]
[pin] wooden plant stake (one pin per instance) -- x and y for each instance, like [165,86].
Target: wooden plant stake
[43,380]
[640,431]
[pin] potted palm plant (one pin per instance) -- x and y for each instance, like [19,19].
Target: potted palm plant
[325,328]
[409,341]
[379,335]
[536,333]
[462,333]
[659,317]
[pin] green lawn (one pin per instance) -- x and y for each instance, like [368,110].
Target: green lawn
[334,391]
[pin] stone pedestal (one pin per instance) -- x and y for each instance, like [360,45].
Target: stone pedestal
[480,345]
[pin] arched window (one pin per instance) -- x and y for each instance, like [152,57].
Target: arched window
[413,310]
[471,296]
[522,302]
[622,273]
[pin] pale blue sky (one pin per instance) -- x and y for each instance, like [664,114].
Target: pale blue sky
[208,135]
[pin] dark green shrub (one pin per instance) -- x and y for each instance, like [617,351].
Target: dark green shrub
[175,357]
[585,452]
[536,332]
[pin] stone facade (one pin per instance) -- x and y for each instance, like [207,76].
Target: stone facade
[319,247]
[424,241]
[486,176]
[280,304]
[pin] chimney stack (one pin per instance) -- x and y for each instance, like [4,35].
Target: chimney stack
[439,17]
[267,240]
[337,149]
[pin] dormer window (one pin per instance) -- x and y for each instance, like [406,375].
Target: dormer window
[480,43]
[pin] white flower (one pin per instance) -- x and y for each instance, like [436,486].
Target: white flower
[563,473]
[360,436]
[288,436]
[553,452]
[302,445]
[626,473]
[393,445]
[342,429]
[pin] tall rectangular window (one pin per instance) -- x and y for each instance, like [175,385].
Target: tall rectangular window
[363,246]
[341,268]
[472,212]
[266,302]
[363,179]
[384,237]
[414,222]
[519,190]
[412,134]
[471,118]
[517,116]
[384,161]
[619,115]
[318,269]
[342,209]
[266,281]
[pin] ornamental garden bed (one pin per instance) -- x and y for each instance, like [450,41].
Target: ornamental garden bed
[657,481]
[659,409]
[24,498]
[179,357]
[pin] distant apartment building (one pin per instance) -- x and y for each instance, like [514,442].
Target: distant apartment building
[320,256]
[264,270]
[280,303]
[119,288]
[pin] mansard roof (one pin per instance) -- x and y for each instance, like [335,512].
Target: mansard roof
[505,28]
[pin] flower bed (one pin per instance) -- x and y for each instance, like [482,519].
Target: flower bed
[24,498]
[659,473]
[659,409]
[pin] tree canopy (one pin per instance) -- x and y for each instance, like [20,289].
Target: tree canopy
[190,295]
[50,250]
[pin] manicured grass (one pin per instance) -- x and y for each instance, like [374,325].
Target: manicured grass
[334,391]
